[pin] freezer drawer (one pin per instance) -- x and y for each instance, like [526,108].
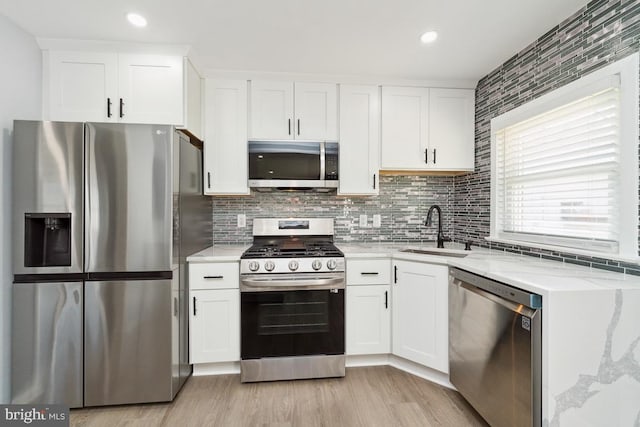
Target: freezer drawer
[46,359]
[128,342]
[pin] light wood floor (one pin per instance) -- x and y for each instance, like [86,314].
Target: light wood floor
[369,396]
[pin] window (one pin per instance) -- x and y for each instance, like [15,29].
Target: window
[565,167]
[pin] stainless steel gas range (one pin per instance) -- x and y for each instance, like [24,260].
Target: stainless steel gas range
[292,283]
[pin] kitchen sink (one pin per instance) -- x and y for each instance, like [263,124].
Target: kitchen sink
[438,252]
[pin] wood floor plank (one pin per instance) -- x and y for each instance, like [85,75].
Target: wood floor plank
[367,396]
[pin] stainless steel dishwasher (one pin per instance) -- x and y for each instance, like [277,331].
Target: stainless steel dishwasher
[495,333]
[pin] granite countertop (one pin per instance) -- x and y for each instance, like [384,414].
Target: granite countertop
[219,253]
[525,272]
[532,274]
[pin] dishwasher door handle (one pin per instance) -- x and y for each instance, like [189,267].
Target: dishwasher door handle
[509,305]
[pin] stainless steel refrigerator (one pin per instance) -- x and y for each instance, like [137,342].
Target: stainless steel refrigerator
[104,216]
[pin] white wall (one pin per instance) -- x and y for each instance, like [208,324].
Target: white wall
[20,98]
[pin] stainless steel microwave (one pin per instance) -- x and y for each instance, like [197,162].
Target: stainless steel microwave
[293,164]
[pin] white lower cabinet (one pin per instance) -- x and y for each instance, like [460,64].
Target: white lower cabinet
[214,319]
[420,313]
[368,319]
[368,307]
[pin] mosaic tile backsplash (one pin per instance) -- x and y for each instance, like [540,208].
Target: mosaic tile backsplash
[602,32]
[403,203]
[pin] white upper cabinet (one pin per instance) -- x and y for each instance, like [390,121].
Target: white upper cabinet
[359,140]
[427,129]
[286,110]
[109,87]
[316,111]
[193,100]
[225,141]
[271,111]
[405,128]
[451,130]
[150,89]
[81,86]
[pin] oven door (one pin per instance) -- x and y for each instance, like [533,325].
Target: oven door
[287,323]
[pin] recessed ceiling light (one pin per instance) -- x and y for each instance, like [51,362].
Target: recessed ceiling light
[137,20]
[429,37]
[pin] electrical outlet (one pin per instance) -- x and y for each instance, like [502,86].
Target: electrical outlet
[377,221]
[363,220]
[242,220]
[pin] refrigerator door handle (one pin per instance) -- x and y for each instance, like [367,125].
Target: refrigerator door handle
[88,148]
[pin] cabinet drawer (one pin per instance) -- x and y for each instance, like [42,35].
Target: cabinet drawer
[215,275]
[369,272]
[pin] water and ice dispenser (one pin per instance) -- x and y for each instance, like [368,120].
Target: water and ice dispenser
[47,239]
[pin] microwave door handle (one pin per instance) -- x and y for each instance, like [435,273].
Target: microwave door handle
[322,162]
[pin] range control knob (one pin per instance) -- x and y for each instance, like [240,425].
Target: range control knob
[269,266]
[254,266]
[332,264]
[293,265]
[317,264]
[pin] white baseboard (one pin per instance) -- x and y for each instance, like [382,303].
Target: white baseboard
[421,371]
[367,360]
[222,368]
[413,368]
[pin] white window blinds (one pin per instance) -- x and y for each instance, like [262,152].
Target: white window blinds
[557,174]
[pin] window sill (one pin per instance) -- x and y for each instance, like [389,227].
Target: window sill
[565,250]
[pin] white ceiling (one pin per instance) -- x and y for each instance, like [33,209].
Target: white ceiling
[374,38]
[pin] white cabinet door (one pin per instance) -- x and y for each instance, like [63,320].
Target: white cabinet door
[193,100]
[316,111]
[405,121]
[151,89]
[368,318]
[359,139]
[271,114]
[420,314]
[225,141]
[81,86]
[451,129]
[214,326]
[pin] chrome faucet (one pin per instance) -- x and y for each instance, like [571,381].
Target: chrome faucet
[441,238]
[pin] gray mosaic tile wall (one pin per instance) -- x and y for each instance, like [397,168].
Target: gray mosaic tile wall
[602,32]
[403,203]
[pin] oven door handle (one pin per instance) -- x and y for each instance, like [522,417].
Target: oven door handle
[292,284]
